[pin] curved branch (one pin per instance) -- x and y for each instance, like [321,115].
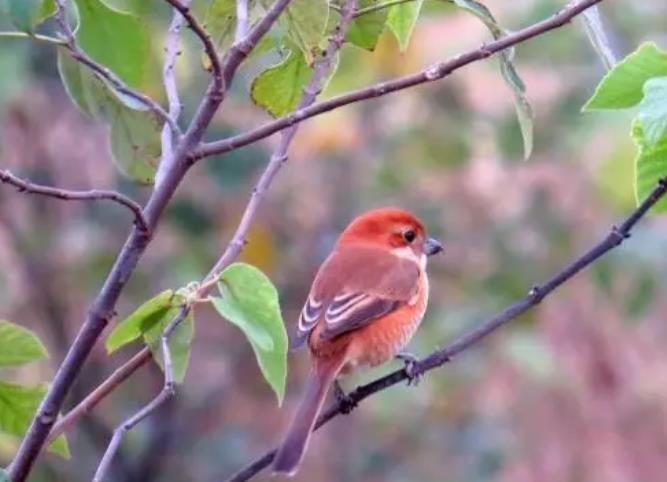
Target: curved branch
[435,72]
[204,37]
[439,357]
[92,195]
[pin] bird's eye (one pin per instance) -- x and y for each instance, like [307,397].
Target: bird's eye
[409,235]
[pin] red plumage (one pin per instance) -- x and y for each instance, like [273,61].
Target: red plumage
[366,302]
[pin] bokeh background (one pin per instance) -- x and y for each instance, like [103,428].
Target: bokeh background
[574,391]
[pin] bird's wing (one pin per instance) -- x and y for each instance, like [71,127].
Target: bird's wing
[356,285]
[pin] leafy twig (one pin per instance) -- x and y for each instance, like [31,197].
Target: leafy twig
[439,357]
[166,393]
[435,72]
[68,195]
[105,74]
[102,309]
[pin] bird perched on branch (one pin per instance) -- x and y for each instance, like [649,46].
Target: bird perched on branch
[366,302]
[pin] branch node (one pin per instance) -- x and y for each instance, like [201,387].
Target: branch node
[536,294]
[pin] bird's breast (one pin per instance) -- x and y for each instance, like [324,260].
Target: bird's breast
[380,341]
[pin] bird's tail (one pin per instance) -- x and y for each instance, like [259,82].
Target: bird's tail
[291,450]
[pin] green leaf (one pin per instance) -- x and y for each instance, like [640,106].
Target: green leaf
[402,19]
[25,15]
[134,134]
[18,405]
[653,110]
[622,86]
[365,30]
[305,22]
[117,40]
[524,111]
[19,345]
[179,343]
[220,21]
[250,301]
[650,166]
[152,313]
[279,88]
[4,476]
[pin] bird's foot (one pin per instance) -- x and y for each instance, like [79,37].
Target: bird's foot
[410,362]
[345,401]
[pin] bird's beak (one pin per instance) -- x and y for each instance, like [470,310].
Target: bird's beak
[432,246]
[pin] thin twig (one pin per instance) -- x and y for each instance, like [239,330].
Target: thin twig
[68,195]
[242,19]
[165,394]
[103,306]
[439,357]
[205,38]
[435,72]
[321,71]
[172,52]
[104,73]
[100,393]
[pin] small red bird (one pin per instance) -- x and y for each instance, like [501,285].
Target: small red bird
[366,302]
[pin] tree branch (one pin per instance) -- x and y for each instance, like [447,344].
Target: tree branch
[68,195]
[168,390]
[87,405]
[241,20]
[207,42]
[102,309]
[172,52]
[105,74]
[435,72]
[439,357]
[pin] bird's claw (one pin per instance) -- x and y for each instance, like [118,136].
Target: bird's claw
[410,362]
[345,401]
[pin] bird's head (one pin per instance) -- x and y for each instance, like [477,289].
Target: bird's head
[395,229]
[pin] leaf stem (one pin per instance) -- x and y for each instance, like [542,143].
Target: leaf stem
[39,37]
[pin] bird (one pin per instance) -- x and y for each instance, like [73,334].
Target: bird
[365,303]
